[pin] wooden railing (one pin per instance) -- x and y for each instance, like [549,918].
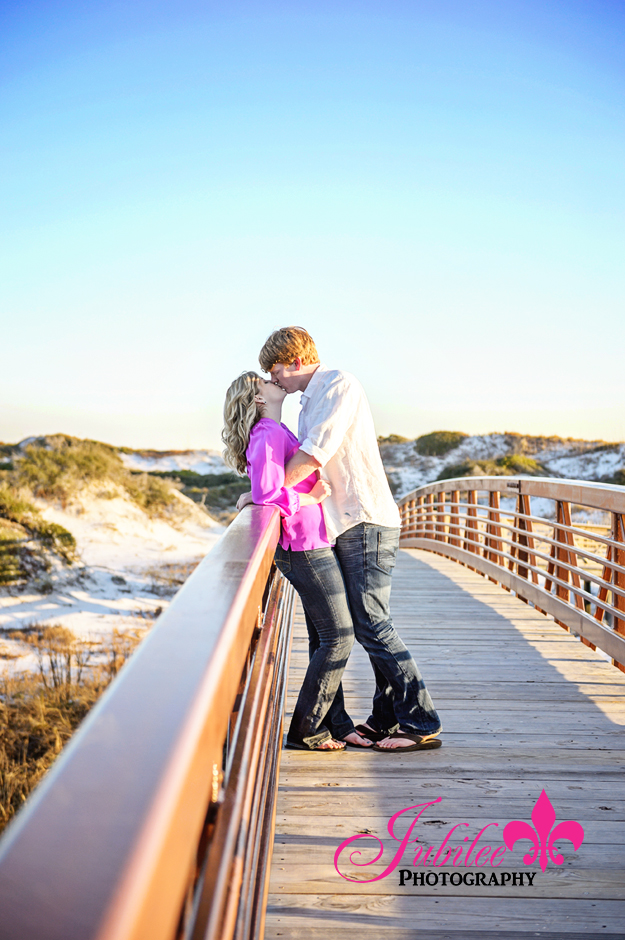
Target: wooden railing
[526,534]
[156,822]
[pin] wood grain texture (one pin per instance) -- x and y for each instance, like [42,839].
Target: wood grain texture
[525,706]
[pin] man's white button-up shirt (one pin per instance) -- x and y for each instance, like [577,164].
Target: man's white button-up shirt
[336,427]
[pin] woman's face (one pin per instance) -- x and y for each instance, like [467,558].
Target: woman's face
[272,393]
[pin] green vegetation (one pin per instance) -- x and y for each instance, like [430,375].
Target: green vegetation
[217,492]
[438,443]
[511,465]
[150,493]
[39,713]
[58,466]
[393,439]
[618,478]
[26,539]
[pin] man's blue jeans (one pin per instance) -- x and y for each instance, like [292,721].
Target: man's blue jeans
[367,555]
[317,578]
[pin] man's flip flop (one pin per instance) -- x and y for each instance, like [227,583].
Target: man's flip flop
[422,742]
[360,747]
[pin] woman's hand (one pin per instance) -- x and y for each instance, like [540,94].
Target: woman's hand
[244,500]
[320,491]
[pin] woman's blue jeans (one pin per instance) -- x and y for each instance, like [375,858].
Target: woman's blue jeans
[367,554]
[317,578]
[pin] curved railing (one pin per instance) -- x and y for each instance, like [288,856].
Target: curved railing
[157,820]
[559,544]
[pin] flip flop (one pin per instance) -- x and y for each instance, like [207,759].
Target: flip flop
[370,733]
[359,747]
[422,742]
[292,746]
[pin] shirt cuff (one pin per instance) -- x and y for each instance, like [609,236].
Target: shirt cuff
[313,451]
[298,507]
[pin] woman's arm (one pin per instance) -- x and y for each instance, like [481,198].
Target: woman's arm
[266,456]
[320,490]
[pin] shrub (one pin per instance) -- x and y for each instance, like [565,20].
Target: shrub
[510,465]
[393,439]
[27,523]
[618,478]
[151,493]
[438,443]
[57,467]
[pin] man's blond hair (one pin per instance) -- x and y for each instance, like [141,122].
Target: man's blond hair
[286,345]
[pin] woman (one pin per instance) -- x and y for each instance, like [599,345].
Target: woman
[258,443]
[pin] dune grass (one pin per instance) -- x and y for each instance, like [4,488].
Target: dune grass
[510,465]
[57,467]
[40,712]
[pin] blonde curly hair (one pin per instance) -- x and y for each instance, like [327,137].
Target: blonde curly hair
[241,412]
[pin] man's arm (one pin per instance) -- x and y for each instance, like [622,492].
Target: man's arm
[300,466]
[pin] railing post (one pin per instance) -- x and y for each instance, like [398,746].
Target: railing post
[617,556]
[560,553]
[493,543]
[429,516]
[454,519]
[420,518]
[411,521]
[440,517]
[525,543]
[470,527]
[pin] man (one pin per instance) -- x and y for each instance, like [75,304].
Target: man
[337,437]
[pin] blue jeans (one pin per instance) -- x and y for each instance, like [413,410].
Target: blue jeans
[367,554]
[317,578]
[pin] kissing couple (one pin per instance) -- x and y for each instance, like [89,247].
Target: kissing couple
[338,543]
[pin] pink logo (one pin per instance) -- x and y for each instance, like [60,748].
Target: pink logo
[543,838]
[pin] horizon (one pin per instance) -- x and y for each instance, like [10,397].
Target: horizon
[381,440]
[434,190]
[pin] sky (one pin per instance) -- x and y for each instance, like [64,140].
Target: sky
[433,188]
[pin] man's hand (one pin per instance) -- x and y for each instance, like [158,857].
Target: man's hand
[300,466]
[321,490]
[244,500]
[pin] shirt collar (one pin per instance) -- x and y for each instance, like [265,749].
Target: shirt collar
[314,380]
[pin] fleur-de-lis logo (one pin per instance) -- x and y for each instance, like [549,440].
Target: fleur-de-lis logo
[543,817]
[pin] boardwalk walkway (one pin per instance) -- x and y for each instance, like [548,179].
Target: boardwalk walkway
[525,706]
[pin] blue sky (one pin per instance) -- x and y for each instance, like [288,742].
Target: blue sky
[434,189]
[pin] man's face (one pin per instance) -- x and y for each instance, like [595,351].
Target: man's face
[286,375]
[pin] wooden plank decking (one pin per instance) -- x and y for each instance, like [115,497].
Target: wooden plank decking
[525,706]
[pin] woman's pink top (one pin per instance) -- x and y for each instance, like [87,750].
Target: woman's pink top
[271,446]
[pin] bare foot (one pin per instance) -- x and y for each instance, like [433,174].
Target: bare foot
[354,737]
[330,745]
[394,743]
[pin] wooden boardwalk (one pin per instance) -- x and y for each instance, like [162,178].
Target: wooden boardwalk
[525,706]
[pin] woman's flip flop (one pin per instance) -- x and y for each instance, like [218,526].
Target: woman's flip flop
[370,733]
[292,746]
[421,742]
[359,747]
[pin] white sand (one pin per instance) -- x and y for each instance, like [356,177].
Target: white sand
[115,540]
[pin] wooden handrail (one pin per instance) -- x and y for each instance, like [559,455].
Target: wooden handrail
[500,543]
[115,844]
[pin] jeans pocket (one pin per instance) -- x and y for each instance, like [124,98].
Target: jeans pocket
[388,543]
[282,559]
